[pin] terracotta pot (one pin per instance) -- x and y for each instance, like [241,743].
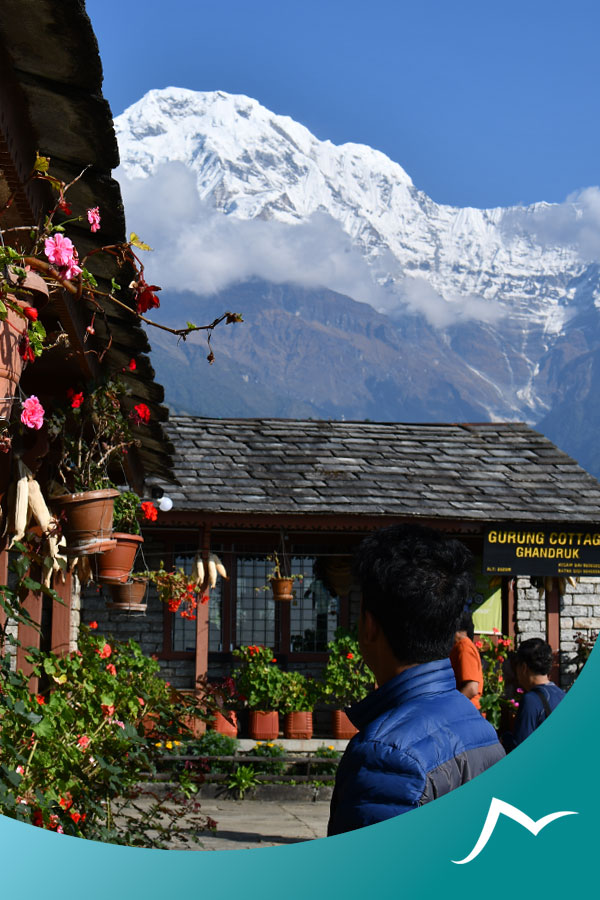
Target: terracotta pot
[11,331]
[342,727]
[226,724]
[298,726]
[263,726]
[282,588]
[88,526]
[129,593]
[114,566]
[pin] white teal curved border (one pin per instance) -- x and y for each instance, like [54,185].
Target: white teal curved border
[407,857]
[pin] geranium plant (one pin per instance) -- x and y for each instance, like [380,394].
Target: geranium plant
[45,249]
[299,693]
[128,513]
[71,754]
[346,678]
[258,679]
[177,590]
[87,433]
[494,652]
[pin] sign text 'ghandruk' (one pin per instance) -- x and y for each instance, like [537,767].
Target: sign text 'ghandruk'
[555,550]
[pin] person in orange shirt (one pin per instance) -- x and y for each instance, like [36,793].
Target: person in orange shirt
[466,660]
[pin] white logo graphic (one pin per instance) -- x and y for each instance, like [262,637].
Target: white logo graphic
[498,807]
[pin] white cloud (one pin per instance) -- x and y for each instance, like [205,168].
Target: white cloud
[199,249]
[574,224]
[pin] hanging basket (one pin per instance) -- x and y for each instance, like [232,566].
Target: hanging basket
[282,589]
[88,525]
[114,566]
[11,332]
[129,596]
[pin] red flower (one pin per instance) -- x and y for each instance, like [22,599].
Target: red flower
[150,511]
[40,700]
[65,803]
[349,655]
[145,298]
[273,660]
[110,668]
[38,819]
[93,625]
[31,313]
[105,652]
[76,817]
[204,598]
[83,741]
[132,365]
[141,701]
[25,350]
[108,710]
[77,400]
[496,630]
[140,414]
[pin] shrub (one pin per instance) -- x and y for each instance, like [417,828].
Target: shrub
[346,678]
[258,680]
[71,755]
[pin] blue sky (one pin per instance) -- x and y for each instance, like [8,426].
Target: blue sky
[483,103]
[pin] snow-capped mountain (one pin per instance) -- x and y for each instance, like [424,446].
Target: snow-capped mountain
[498,289]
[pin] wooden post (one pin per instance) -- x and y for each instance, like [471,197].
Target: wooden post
[553,628]
[202,615]
[29,636]
[60,636]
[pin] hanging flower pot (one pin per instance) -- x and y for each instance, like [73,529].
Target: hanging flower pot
[88,521]
[263,725]
[114,566]
[298,726]
[225,723]
[282,589]
[129,595]
[11,333]
[342,727]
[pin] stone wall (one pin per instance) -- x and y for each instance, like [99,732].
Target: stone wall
[579,615]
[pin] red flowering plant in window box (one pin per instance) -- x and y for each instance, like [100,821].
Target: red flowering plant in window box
[346,678]
[71,755]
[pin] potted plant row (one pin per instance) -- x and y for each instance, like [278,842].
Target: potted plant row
[267,691]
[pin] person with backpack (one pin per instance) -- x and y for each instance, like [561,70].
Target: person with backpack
[532,664]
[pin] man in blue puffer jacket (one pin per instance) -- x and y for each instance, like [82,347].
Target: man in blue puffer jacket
[419,737]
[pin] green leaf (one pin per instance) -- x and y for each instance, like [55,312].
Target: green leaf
[41,164]
[137,242]
[114,286]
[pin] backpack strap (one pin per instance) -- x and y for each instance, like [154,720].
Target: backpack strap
[539,690]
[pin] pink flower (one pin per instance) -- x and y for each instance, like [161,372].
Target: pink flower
[141,701]
[19,770]
[110,668]
[119,723]
[33,413]
[61,252]
[108,710]
[83,742]
[94,218]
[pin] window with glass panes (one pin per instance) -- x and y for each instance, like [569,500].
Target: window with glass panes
[184,630]
[255,607]
[314,610]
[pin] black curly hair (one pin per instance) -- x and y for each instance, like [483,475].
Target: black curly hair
[536,654]
[415,582]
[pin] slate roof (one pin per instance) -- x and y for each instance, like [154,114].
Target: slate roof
[494,472]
